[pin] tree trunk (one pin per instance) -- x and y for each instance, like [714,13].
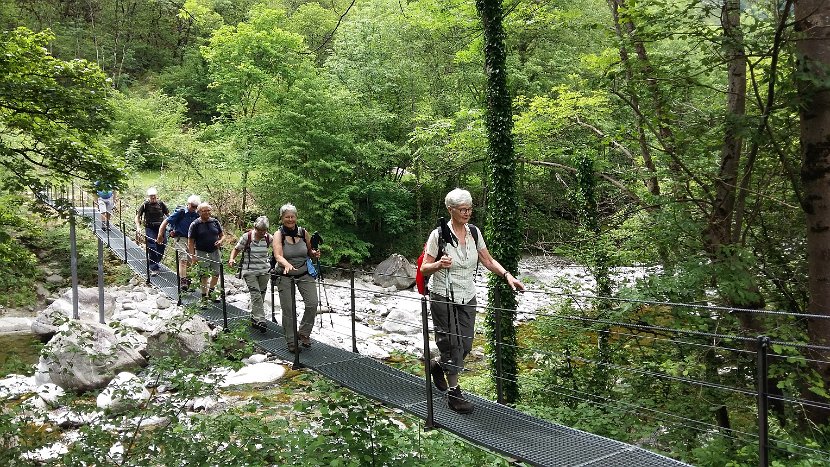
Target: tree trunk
[651,183]
[503,203]
[812,23]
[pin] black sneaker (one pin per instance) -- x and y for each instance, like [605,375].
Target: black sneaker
[457,402]
[259,325]
[438,378]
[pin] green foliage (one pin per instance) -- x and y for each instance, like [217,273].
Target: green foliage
[147,128]
[17,263]
[51,114]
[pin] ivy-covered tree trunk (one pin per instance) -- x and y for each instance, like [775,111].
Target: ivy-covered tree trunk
[812,22]
[503,202]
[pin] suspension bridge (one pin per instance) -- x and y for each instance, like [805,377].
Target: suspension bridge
[495,426]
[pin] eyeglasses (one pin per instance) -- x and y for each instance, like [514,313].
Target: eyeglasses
[465,210]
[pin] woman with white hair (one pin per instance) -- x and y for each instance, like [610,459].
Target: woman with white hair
[292,249]
[254,245]
[452,292]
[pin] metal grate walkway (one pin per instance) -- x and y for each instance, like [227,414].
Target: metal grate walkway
[493,426]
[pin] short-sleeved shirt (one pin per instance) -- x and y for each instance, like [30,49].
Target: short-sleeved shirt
[462,272]
[205,234]
[257,255]
[154,213]
[180,221]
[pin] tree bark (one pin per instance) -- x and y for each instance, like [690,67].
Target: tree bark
[651,182]
[812,23]
[503,203]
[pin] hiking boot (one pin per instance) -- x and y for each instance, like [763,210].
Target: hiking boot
[305,341]
[438,377]
[457,402]
[259,325]
[292,348]
[183,284]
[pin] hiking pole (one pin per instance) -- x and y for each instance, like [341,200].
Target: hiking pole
[178,281]
[316,241]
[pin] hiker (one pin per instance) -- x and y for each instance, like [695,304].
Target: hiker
[152,213]
[256,267]
[106,203]
[452,292]
[204,237]
[179,223]
[292,250]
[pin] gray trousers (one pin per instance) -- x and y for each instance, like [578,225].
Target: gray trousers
[307,287]
[257,286]
[454,330]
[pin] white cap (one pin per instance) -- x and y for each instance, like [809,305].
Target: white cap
[152,191]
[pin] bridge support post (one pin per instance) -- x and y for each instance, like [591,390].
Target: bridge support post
[499,371]
[763,401]
[101,281]
[297,365]
[430,422]
[178,280]
[354,330]
[146,258]
[222,291]
[273,314]
[73,264]
[124,236]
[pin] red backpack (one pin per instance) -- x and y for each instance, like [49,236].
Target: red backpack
[420,280]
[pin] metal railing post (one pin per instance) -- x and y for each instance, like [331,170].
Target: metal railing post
[222,291]
[296,364]
[124,236]
[763,401]
[146,259]
[73,264]
[273,314]
[430,421]
[101,281]
[178,280]
[499,371]
[353,309]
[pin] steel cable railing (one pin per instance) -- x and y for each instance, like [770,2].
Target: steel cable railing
[700,341]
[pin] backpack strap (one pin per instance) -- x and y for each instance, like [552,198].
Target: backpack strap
[474,232]
[300,234]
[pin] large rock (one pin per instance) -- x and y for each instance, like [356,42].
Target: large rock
[402,322]
[86,355]
[47,322]
[395,271]
[179,337]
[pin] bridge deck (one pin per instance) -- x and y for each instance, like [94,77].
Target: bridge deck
[491,425]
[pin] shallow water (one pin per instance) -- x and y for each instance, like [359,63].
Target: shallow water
[18,352]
